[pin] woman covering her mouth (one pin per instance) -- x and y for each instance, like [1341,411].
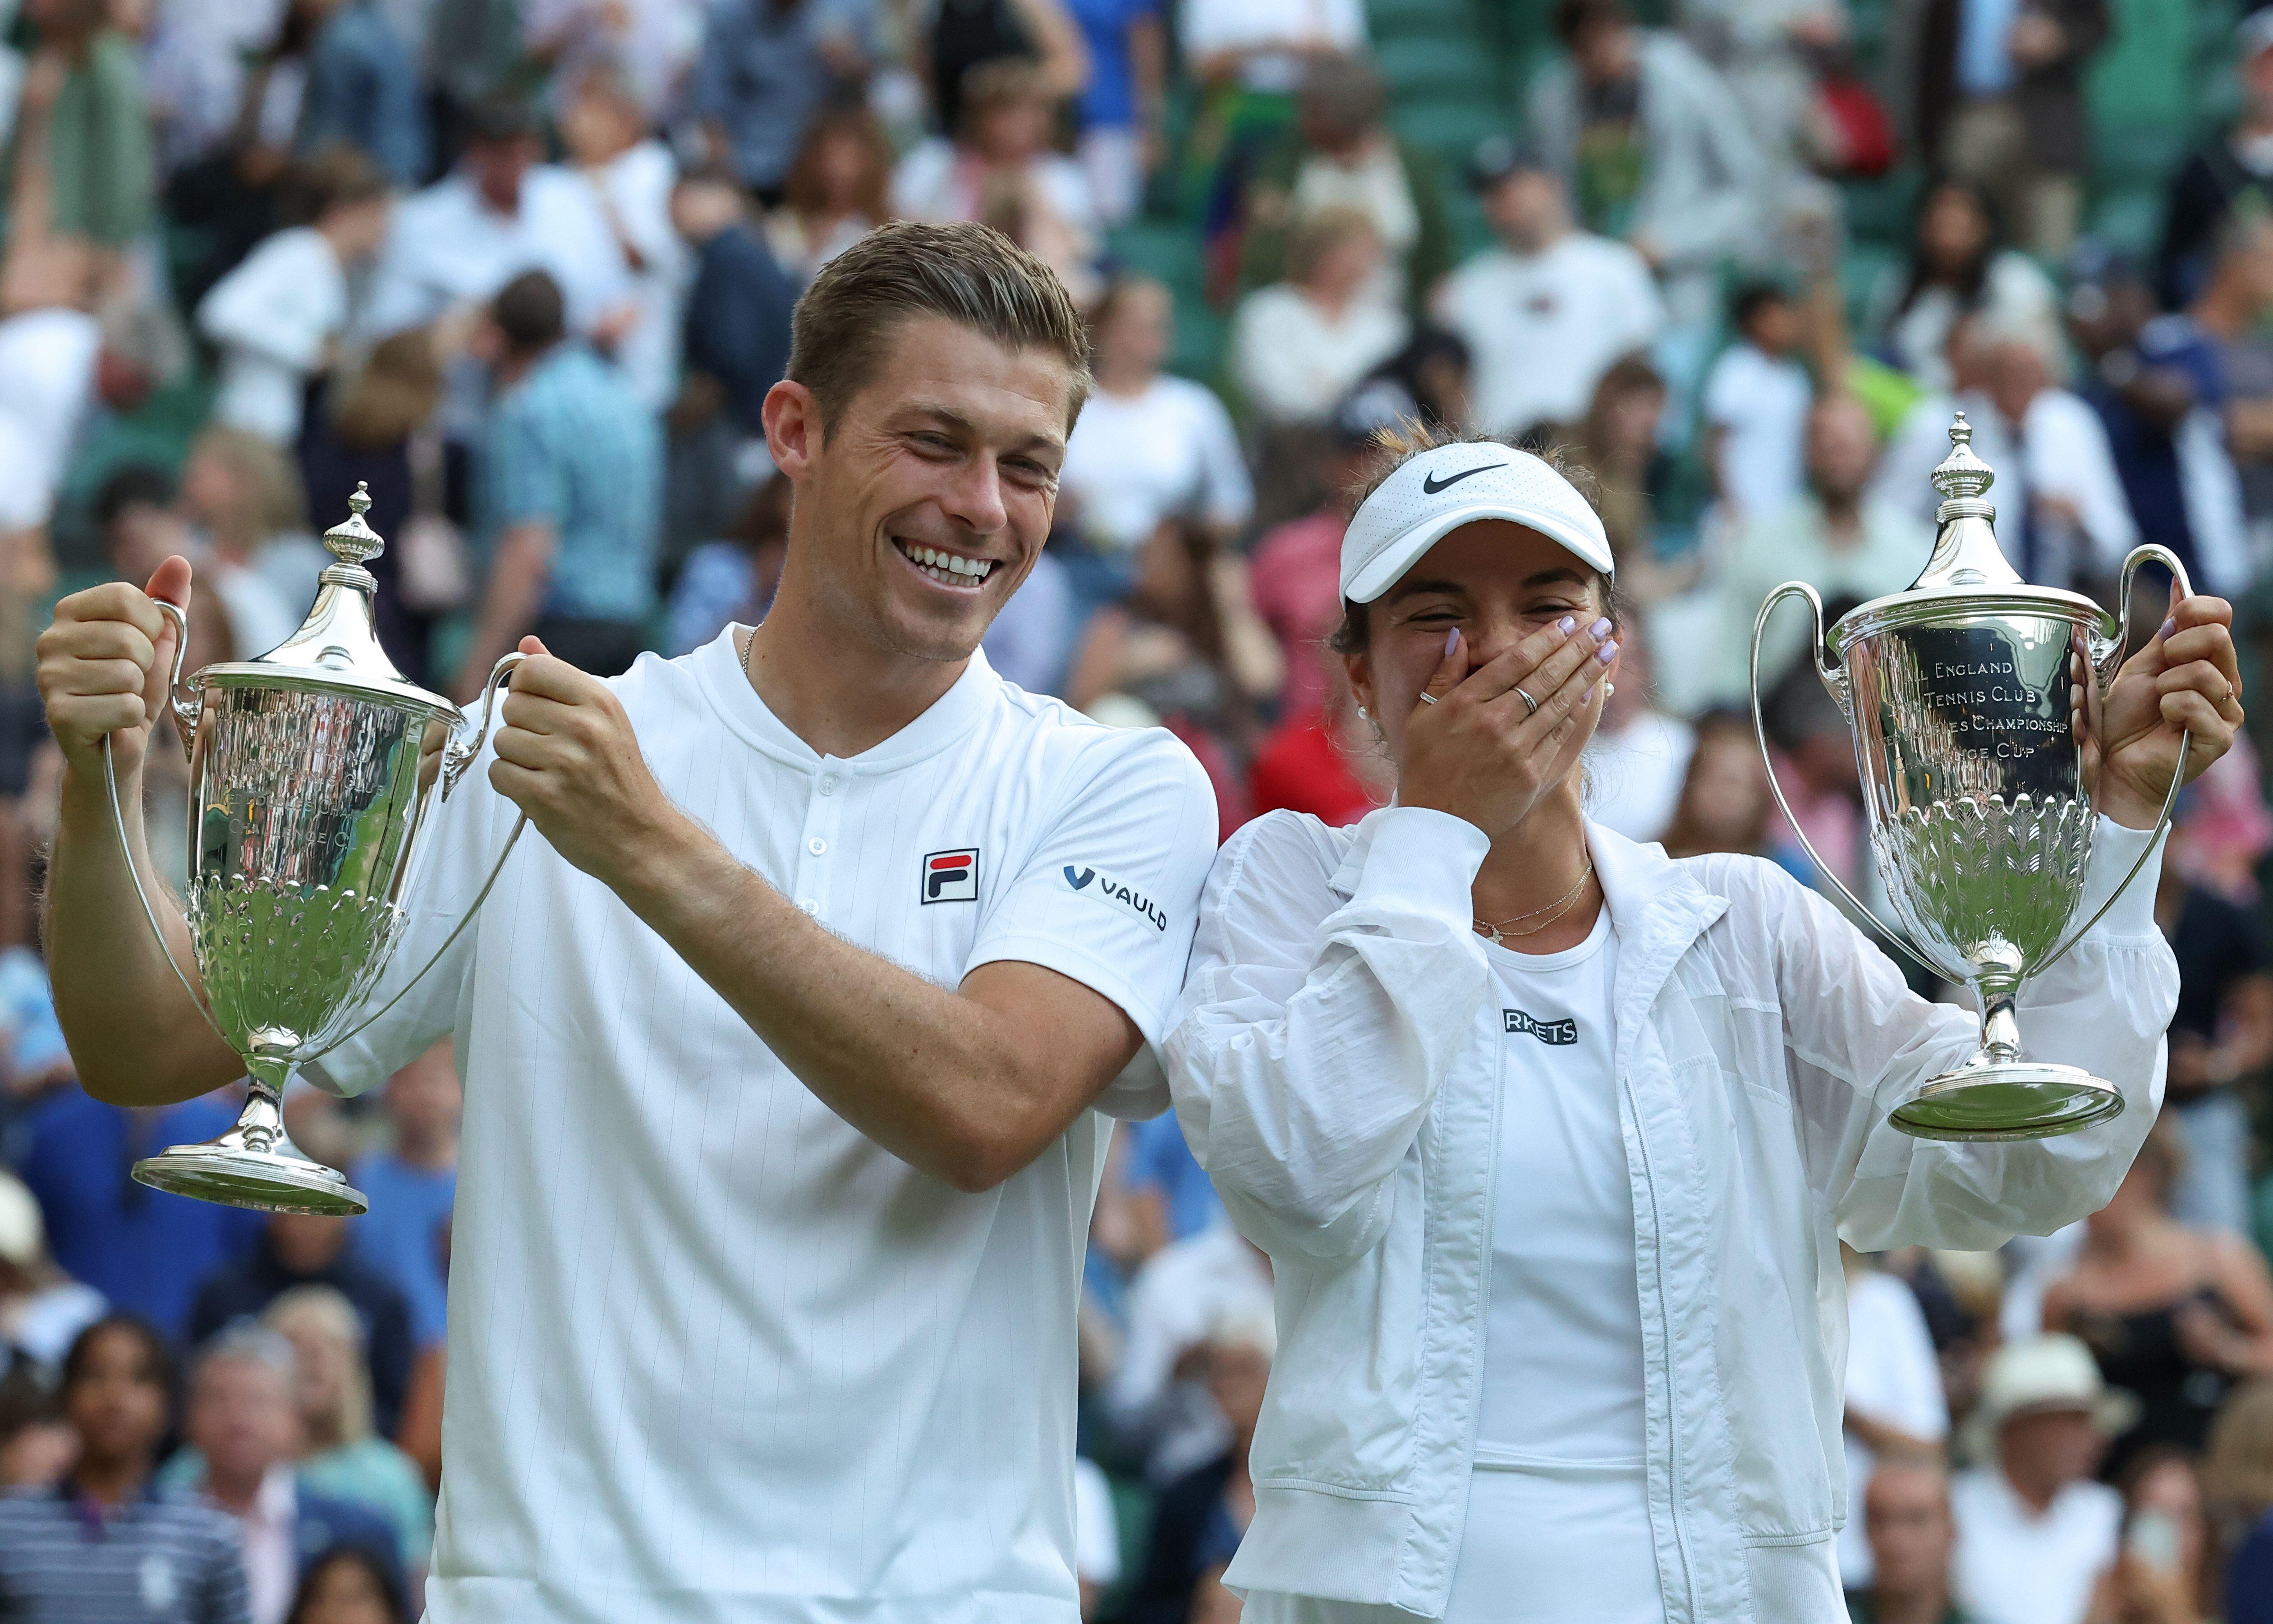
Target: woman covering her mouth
[1551,1137]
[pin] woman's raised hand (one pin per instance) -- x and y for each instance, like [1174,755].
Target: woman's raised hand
[1475,749]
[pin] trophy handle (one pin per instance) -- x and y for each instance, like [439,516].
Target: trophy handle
[2110,662]
[457,756]
[142,895]
[187,706]
[1835,680]
[459,753]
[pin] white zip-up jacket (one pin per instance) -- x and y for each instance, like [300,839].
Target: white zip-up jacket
[1336,1068]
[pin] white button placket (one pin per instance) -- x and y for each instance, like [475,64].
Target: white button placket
[816,841]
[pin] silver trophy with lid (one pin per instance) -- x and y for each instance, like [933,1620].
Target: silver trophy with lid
[314,771]
[1975,702]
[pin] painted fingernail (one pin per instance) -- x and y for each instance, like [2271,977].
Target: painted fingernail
[1451,641]
[2169,626]
[1607,653]
[1599,630]
[1567,624]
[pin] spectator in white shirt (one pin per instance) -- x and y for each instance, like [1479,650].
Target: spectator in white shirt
[500,212]
[1149,447]
[1755,399]
[1958,268]
[1546,313]
[1001,169]
[1894,1403]
[2065,517]
[631,173]
[2034,1532]
[278,316]
[1299,345]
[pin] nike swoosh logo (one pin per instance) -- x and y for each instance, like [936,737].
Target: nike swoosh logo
[1430,485]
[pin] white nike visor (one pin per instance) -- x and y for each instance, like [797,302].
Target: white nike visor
[1434,493]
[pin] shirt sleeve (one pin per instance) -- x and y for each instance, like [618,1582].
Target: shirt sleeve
[1317,1027]
[1860,1043]
[1107,894]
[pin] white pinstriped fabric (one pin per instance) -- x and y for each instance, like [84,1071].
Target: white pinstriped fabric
[715,1357]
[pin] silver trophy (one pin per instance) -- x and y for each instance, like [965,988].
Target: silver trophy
[1975,699]
[313,773]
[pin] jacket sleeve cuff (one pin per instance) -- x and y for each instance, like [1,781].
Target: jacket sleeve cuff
[2115,847]
[1418,860]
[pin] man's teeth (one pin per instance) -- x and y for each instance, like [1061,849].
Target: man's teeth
[948,569]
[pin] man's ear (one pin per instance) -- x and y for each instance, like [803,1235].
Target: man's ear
[793,429]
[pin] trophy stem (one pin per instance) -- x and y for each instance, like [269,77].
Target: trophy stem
[1998,1093]
[255,1164]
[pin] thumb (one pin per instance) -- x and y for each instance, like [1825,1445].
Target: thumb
[1452,668]
[170,581]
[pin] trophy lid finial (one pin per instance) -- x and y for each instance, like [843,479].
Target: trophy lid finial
[353,542]
[1962,473]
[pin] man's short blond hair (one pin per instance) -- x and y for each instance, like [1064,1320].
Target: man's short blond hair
[967,273]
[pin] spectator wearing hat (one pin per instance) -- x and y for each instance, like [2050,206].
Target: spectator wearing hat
[1906,1515]
[500,212]
[1547,312]
[1653,147]
[41,1308]
[2034,1532]
[571,488]
[1340,152]
[2176,1313]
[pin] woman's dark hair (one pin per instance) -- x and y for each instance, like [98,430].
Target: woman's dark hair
[389,1582]
[1396,446]
[157,1356]
[1971,275]
[802,187]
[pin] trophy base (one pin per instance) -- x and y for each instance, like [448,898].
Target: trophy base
[230,1173]
[2007,1099]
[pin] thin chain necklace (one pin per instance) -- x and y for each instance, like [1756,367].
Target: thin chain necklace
[1497,934]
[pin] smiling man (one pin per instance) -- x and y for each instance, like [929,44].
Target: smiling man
[787,1049]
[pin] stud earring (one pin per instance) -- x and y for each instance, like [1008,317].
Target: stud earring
[1361,713]
[1610,689]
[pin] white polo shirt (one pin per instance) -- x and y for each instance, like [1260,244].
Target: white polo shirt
[715,1356]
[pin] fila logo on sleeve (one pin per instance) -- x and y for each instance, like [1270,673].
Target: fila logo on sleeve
[951,876]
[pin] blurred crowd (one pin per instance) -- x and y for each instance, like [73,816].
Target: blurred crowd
[524,268]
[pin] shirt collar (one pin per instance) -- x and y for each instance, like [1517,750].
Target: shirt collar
[278,1500]
[948,721]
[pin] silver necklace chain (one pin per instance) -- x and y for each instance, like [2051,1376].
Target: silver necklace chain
[1497,934]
